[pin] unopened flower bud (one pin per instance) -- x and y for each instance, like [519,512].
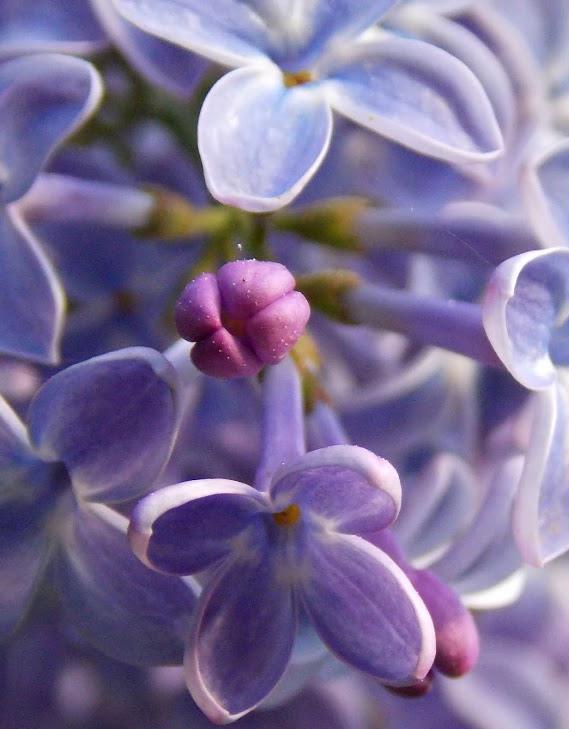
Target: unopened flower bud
[245,316]
[456,631]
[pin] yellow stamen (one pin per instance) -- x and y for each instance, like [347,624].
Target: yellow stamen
[297,78]
[289,516]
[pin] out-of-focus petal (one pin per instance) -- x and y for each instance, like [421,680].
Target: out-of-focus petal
[129,612]
[540,521]
[546,190]
[43,99]
[226,31]
[417,95]
[468,48]
[42,26]
[31,297]
[438,502]
[164,64]
[110,419]
[259,141]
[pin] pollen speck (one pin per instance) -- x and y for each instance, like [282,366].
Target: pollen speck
[288,516]
[297,79]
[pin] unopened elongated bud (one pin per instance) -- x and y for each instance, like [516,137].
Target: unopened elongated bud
[456,631]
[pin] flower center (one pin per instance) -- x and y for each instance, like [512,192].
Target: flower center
[288,516]
[297,78]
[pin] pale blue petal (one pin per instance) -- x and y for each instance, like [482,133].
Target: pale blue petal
[110,419]
[525,315]
[44,98]
[226,31]
[541,512]
[468,48]
[438,503]
[38,26]
[31,296]
[417,95]
[164,64]
[260,143]
[300,30]
[546,191]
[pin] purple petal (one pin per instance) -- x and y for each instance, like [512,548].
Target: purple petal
[273,145]
[417,95]
[163,64]
[468,48]
[366,610]
[31,296]
[242,638]
[14,444]
[110,419]
[24,506]
[186,527]
[350,488]
[302,31]
[124,609]
[524,311]
[41,26]
[44,98]
[541,525]
[226,31]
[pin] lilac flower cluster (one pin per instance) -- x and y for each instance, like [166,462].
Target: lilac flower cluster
[284,364]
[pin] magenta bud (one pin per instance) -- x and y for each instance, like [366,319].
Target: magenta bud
[245,316]
[455,629]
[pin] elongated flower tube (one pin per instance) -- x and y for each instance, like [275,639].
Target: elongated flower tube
[265,127]
[453,325]
[243,317]
[298,545]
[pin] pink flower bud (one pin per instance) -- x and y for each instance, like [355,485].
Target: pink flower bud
[242,318]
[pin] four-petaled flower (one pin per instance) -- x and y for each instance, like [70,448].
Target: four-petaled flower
[265,127]
[299,548]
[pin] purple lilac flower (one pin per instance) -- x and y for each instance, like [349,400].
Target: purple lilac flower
[265,127]
[243,317]
[295,543]
[99,433]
